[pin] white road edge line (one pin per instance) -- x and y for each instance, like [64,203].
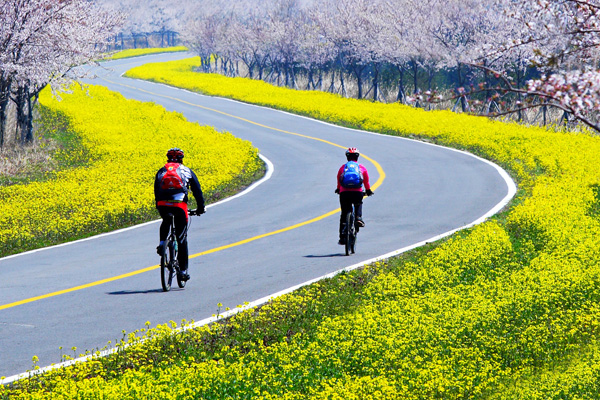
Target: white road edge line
[268,174]
[511,186]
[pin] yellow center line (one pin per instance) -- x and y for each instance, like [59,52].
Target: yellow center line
[216,249]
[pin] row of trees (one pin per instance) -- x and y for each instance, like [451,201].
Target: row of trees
[148,22]
[43,42]
[539,53]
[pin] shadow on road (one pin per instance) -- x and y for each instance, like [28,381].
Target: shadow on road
[325,255]
[122,292]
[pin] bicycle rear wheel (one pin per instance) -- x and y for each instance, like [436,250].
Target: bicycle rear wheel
[167,269]
[353,232]
[348,233]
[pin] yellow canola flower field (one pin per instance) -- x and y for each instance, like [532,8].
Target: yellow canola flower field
[509,309]
[489,309]
[126,142]
[141,52]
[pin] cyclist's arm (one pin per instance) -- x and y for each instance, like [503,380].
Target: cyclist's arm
[197,190]
[156,186]
[339,177]
[365,178]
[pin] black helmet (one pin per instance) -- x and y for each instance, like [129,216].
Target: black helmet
[175,154]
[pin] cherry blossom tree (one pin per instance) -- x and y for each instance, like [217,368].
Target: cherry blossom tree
[560,39]
[286,32]
[340,24]
[205,31]
[565,38]
[42,42]
[491,47]
[407,43]
[316,54]
[250,36]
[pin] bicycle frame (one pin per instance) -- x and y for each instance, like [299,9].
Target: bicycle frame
[169,265]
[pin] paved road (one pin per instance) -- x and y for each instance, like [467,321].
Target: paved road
[427,190]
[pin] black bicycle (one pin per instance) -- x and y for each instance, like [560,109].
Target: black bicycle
[350,231]
[169,266]
[351,227]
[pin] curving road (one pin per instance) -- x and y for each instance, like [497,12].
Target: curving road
[86,293]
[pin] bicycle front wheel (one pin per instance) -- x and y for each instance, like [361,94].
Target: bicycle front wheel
[353,235]
[180,282]
[166,265]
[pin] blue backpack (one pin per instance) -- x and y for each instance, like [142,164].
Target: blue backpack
[352,177]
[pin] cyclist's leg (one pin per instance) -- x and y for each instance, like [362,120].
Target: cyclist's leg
[181,232]
[165,224]
[357,200]
[346,206]
[163,232]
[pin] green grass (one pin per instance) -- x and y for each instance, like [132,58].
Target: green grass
[56,148]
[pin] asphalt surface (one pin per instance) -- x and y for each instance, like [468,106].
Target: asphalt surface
[427,191]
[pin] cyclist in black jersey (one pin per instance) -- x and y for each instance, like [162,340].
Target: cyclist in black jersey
[171,185]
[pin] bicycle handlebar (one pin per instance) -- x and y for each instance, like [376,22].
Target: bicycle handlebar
[195,212]
[365,194]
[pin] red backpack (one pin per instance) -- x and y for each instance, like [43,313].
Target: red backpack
[170,180]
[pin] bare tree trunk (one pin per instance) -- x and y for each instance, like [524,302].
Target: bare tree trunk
[205,62]
[320,81]
[544,113]
[286,69]
[376,67]
[401,91]
[415,71]
[250,67]
[520,97]
[461,83]
[30,107]
[430,76]
[24,115]
[293,75]
[310,82]
[261,70]
[332,85]
[358,73]
[5,86]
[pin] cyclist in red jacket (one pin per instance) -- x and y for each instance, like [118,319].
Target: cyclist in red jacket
[351,178]
[171,186]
